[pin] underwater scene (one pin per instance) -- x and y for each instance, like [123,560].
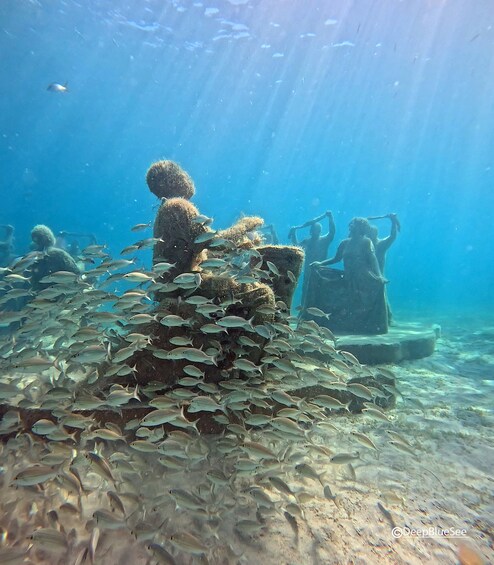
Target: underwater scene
[246,282]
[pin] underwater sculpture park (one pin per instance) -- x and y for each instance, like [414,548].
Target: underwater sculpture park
[178,414]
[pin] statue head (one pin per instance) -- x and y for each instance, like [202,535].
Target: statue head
[315,230]
[42,237]
[166,179]
[359,227]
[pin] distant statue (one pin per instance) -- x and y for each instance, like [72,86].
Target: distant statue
[269,235]
[7,245]
[381,246]
[316,246]
[353,298]
[71,242]
[51,258]
[358,255]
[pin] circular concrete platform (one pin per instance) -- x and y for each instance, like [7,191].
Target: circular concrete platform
[403,342]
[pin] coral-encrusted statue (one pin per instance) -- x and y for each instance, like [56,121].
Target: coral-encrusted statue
[51,259]
[185,239]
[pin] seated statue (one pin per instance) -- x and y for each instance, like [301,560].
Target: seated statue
[51,259]
[186,242]
[354,298]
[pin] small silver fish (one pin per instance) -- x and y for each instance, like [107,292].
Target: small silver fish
[188,543]
[140,227]
[107,521]
[161,554]
[280,485]
[137,276]
[56,87]
[344,458]
[293,523]
[387,515]
[308,472]
[202,219]
[204,404]
[191,354]
[360,390]
[245,365]
[205,237]
[50,539]
[329,495]
[364,440]
[317,312]
[235,322]
[100,465]
[34,475]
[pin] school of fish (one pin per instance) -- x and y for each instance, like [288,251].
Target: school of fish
[75,490]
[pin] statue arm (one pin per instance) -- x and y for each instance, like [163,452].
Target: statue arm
[395,228]
[314,220]
[332,227]
[292,235]
[310,222]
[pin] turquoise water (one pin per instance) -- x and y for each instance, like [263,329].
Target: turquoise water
[277,109]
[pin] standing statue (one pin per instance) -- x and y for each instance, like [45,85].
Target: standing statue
[316,246]
[7,245]
[269,235]
[381,246]
[354,298]
[71,242]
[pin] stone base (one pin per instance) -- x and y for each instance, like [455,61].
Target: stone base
[354,305]
[402,342]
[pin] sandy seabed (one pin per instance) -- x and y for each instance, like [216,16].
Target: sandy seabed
[448,486]
[445,488]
